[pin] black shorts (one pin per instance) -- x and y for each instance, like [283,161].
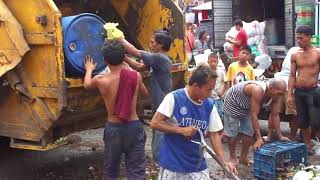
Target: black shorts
[308,107]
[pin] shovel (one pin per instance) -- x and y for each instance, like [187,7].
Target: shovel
[203,144]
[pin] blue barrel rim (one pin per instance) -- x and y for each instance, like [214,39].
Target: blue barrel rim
[65,29]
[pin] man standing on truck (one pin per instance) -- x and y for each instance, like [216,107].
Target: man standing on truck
[242,104]
[240,40]
[159,64]
[124,132]
[180,115]
[306,61]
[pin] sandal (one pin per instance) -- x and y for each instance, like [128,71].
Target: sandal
[248,163]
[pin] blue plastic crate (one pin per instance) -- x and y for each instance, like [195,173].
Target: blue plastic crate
[267,157]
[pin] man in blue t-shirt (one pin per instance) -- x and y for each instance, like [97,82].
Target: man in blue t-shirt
[159,64]
[179,116]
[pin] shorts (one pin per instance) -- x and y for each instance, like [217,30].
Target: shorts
[308,107]
[128,139]
[234,126]
[165,174]
[218,103]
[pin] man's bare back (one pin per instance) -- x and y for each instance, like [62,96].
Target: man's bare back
[119,90]
[308,67]
[108,87]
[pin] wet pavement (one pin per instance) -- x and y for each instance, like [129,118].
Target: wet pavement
[82,160]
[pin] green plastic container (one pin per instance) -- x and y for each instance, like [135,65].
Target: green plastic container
[315,40]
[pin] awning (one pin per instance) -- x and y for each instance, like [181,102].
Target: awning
[204,6]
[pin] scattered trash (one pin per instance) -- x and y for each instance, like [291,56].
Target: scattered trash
[60,140]
[73,139]
[302,175]
[316,147]
[66,159]
[310,172]
[91,168]
[93,173]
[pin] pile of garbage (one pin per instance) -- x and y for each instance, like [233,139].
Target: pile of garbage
[295,171]
[298,172]
[305,173]
[257,40]
[256,37]
[316,146]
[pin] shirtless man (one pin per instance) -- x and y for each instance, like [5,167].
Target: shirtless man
[306,61]
[242,104]
[120,136]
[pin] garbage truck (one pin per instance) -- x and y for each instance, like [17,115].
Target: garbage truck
[41,72]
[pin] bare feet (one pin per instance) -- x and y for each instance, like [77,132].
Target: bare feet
[269,137]
[283,138]
[293,138]
[233,160]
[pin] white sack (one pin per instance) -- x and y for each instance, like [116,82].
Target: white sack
[264,61]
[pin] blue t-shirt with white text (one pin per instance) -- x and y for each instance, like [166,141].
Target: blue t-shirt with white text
[177,153]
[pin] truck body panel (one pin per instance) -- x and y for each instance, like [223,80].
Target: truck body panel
[38,103]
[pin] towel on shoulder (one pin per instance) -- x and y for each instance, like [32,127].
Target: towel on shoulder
[127,86]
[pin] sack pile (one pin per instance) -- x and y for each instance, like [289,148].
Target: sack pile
[256,40]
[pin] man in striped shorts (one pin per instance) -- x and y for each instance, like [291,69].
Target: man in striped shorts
[242,105]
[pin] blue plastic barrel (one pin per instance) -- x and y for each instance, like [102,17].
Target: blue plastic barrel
[82,36]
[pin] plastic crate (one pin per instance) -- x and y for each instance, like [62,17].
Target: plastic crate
[267,157]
